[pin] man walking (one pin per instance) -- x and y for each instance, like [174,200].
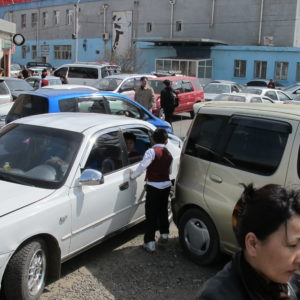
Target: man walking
[168,100]
[145,94]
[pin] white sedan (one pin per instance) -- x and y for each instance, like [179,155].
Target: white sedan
[64,181]
[277,96]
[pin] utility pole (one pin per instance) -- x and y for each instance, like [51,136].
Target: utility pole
[76,29]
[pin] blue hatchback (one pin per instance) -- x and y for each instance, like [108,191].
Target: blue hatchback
[78,100]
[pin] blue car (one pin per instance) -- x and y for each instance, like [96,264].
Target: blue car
[78,100]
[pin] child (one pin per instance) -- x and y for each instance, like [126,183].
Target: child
[157,161]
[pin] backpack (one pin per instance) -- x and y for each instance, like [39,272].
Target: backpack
[174,99]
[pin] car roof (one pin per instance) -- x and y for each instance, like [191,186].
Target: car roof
[260,109]
[123,76]
[247,95]
[80,121]
[173,78]
[264,88]
[39,77]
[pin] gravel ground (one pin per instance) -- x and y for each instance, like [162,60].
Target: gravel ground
[120,269]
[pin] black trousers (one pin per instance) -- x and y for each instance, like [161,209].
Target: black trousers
[156,212]
[169,116]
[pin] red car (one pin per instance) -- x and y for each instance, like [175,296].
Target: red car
[188,89]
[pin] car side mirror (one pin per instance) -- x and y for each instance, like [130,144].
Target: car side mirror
[91,177]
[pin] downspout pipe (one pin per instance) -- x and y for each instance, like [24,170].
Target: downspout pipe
[260,22]
[76,29]
[172,2]
[212,20]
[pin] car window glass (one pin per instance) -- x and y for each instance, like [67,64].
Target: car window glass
[83,72]
[234,89]
[28,105]
[106,154]
[187,87]
[157,85]
[197,84]
[204,136]
[137,141]
[283,97]
[177,85]
[271,94]
[61,71]
[3,88]
[121,106]
[255,100]
[128,85]
[242,151]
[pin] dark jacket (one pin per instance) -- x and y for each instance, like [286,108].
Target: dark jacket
[166,99]
[238,281]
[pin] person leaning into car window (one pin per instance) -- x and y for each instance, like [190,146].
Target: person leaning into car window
[266,223]
[157,161]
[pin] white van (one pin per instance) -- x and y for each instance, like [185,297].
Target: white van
[87,73]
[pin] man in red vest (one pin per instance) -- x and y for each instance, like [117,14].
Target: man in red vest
[157,162]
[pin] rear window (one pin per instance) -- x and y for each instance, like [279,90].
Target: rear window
[83,72]
[28,105]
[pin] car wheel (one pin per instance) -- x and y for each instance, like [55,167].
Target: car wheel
[199,237]
[192,114]
[161,114]
[25,275]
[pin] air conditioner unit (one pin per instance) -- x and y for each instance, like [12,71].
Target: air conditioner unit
[105,36]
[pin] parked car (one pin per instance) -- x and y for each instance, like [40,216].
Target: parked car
[277,96]
[264,83]
[212,89]
[87,73]
[188,89]
[54,100]
[52,209]
[293,90]
[229,144]
[243,97]
[121,83]
[10,88]
[36,81]
[15,70]
[70,87]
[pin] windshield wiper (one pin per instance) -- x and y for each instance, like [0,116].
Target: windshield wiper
[12,178]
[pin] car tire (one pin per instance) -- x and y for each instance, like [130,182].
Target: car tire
[25,275]
[192,114]
[161,114]
[198,237]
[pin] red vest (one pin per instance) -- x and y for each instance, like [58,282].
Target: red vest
[159,169]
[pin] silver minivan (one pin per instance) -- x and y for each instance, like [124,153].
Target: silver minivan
[86,73]
[229,144]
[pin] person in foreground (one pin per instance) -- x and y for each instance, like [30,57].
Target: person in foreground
[157,160]
[266,223]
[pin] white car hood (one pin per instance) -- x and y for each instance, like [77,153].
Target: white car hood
[15,196]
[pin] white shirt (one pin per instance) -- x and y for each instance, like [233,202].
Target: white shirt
[149,156]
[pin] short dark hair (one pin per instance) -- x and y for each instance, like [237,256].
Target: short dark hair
[143,77]
[167,82]
[262,211]
[129,136]
[160,136]
[44,70]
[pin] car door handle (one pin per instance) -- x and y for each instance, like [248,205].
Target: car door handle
[215,178]
[124,186]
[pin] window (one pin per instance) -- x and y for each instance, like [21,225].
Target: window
[33,19]
[23,21]
[149,27]
[137,143]
[24,51]
[56,14]
[283,96]
[178,26]
[240,68]
[118,106]
[242,151]
[205,134]
[106,154]
[69,16]
[34,52]
[63,52]
[45,18]
[187,86]
[272,95]
[205,68]
[298,72]
[83,72]
[281,70]
[61,72]
[260,69]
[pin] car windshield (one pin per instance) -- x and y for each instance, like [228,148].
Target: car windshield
[217,88]
[18,85]
[109,84]
[36,155]
[157,85]
[253,91]
[292,87]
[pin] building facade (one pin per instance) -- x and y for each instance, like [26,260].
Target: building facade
[161,34]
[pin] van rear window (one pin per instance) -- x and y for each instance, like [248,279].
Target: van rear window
[83,72]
